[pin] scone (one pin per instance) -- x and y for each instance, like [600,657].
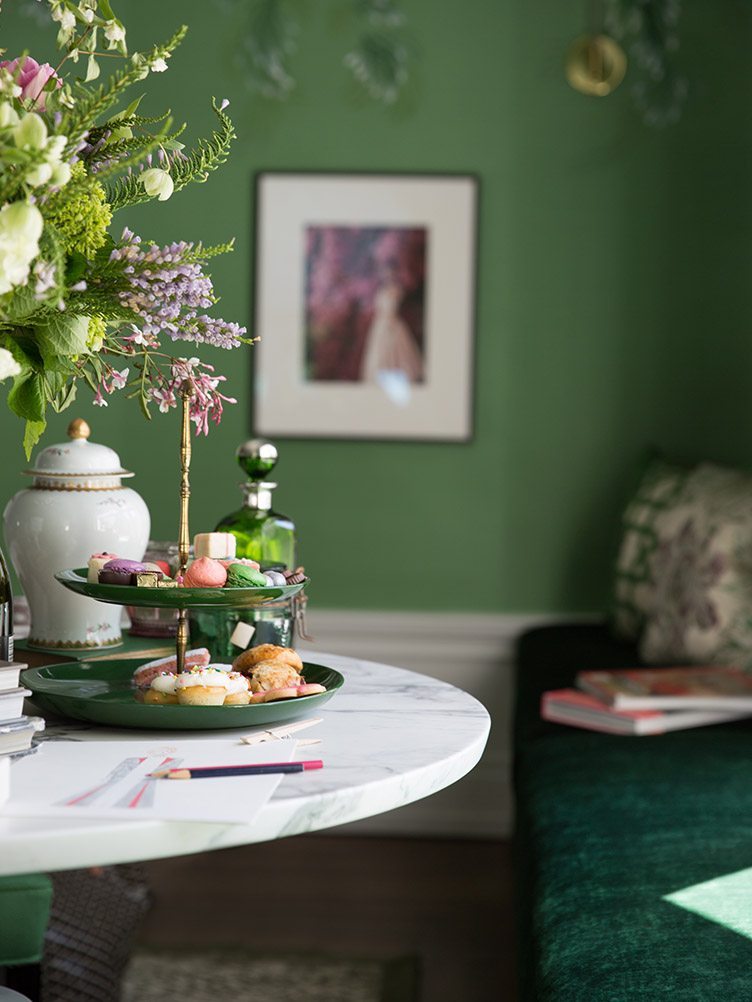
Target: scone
[273,675]
[246,661]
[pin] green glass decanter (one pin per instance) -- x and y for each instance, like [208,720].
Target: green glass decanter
[262,534]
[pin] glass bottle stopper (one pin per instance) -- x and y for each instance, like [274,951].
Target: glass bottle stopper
[257,458]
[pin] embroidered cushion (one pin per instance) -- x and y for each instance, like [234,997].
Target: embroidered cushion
[684,572]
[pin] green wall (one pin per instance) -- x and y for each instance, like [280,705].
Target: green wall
[613,306]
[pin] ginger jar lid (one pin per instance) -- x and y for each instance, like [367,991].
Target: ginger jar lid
[78,462]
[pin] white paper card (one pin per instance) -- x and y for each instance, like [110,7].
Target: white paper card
[109,779]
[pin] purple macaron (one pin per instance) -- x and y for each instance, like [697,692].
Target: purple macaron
[120,571]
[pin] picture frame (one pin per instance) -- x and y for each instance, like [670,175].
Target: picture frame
[364,301]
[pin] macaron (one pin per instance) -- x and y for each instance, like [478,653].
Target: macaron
[243,576]
[120,571]
[205,573]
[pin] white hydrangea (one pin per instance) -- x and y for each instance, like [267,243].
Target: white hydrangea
[21,227]
[8,365]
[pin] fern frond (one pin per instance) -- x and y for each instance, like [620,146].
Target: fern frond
[195,166]
[208,155]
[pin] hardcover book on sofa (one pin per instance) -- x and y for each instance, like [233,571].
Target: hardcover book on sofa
[718,687]
[578,709]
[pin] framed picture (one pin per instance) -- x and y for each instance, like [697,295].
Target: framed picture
[364,302]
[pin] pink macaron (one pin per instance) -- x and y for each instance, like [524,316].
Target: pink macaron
[205,573]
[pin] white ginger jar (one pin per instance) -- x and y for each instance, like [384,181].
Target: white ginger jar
[76,506]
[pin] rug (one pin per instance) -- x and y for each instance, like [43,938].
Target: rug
[205,976]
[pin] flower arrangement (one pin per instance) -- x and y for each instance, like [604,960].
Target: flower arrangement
[76,303]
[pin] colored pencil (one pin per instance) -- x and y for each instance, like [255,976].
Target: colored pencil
[215,771]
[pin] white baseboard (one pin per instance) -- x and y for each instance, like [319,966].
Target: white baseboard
[472,651]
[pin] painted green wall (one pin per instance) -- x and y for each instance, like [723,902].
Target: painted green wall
[613,307]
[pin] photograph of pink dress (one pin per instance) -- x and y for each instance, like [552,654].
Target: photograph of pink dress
[365,304]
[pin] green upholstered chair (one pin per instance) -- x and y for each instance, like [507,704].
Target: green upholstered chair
[24,911]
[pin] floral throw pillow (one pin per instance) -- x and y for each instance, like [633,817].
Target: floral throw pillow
[684,572]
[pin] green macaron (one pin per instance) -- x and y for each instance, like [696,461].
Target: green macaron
[243,576]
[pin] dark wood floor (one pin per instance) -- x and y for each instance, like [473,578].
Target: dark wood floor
[449,902]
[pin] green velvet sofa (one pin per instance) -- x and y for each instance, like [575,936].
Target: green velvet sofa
[607,827]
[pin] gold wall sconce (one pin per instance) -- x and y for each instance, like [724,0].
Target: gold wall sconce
[595,65]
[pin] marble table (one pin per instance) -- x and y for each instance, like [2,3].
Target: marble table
[389,737]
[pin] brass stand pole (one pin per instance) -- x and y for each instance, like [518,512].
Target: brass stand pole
[184,539]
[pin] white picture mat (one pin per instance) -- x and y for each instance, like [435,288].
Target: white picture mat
[287,404]
[61,771]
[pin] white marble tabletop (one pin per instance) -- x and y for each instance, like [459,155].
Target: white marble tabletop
[388,737]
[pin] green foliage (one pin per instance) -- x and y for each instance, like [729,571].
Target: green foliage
[92,104]
[60,338]
[193,167]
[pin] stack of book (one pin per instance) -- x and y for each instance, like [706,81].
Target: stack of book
[651,700]
[16,729]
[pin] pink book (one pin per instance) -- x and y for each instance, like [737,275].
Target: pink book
[578,709]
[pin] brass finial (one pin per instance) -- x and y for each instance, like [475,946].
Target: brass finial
[78,428]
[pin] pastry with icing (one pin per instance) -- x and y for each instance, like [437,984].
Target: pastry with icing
[163,690]
[203,687]
[196,658]
[238,693]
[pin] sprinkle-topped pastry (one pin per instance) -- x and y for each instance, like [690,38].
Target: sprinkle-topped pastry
[219,545]
[203,687]
[238,693]
[143,675]
[163,689]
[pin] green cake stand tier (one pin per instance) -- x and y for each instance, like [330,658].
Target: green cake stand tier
[175,598]
[102,692]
